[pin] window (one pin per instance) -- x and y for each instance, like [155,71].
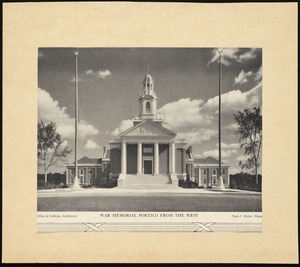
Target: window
[214,172]
[81,171]
[148,106]
[204,181]
[223,171]
[204,172]
[81,180]
[72,172]
[100,171]
[90,171]
[91,180]
[223,181]
[196,172]
[214,181]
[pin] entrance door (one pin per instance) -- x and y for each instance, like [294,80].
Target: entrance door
[147,166]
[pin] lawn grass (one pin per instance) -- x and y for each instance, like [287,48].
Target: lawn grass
[158,203]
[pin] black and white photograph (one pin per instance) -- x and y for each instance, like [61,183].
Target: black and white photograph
[169,135]
[150,132]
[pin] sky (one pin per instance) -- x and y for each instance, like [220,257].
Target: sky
[186,81]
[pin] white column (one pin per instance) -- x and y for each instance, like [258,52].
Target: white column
[139,158]
[156,159]
[172,158]
[85,175]
[67,176]
[123,158]
[183,162]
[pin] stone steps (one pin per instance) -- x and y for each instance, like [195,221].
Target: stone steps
[148,186]
[148,182]
[146,179]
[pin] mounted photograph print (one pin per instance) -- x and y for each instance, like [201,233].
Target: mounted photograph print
[149,139]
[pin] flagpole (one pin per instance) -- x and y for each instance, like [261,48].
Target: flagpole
[220,178]
[76,180]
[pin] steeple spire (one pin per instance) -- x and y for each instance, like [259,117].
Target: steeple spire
[148,102]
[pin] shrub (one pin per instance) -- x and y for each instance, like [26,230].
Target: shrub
[107,183]
[245,181]
[87,185]
[111,182]
[187,184]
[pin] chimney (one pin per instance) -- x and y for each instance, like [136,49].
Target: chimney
[104,151]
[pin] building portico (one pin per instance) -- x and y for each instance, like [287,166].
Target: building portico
[148,157]
[148,149]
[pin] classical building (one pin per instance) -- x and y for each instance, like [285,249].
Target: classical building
[206,170]
[148,153]
[90,170]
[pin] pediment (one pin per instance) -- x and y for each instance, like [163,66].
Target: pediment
[148,128]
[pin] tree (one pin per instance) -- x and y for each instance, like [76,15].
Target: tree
[51,149]
[250,131]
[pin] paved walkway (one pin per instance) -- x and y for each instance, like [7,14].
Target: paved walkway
[116,190]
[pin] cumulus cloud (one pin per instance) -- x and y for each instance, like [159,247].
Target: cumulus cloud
[103,73]
[215,153]
[242,158]
[90,144]
[73,80]
[125,124]
[258,75]
[40,54]
[242,77]
[230,55]
[234,100]
[197,136]
[248,55]
[49,110]
[89,72]
[226,150]
[184,113]
[232,126]
[234,170]
[196,120]
[229,146]
[100,73]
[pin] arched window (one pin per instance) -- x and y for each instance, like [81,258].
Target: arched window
[148,106]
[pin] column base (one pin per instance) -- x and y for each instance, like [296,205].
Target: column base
[76,183]
[174,179]
[121,179]
[220,183]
